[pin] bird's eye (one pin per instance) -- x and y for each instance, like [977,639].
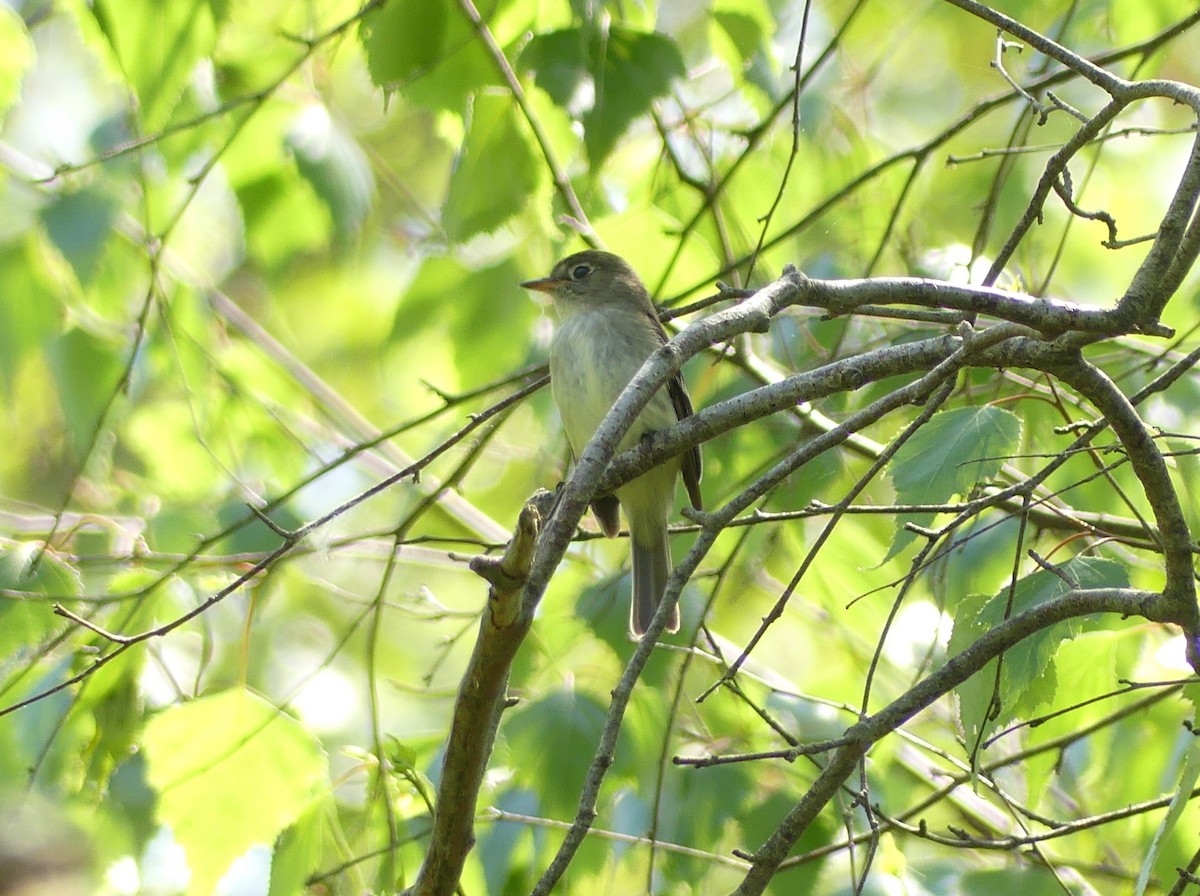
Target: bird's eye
[580,271]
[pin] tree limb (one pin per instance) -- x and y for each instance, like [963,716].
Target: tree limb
[482,697]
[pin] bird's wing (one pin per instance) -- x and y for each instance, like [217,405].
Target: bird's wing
[691,466]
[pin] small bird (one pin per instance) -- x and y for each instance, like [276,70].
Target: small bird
[608,328]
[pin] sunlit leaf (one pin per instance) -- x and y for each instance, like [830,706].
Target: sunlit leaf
[284,218]
[16,55]
[157,43]
[27,567]
[430,50]
[209,236]
[87,371]
[480,348]
[231,772]
[747,24]
[333,162]
[496,171]
[298,853]
[403,39]
[28,306]
[1189,773]
[282,212]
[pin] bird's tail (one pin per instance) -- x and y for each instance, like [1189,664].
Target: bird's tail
[651,553]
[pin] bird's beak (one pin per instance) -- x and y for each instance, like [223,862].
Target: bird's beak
[546,284]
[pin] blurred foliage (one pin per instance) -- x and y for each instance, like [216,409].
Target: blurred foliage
[266,253]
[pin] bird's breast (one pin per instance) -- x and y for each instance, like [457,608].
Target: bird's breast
[593,357]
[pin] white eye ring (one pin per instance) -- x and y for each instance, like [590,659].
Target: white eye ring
[580,271]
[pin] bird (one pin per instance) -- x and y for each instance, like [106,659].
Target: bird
[607,329]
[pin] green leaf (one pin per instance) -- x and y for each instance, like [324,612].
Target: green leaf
[131,799]
[981,560]
[52,576]
[209,237]
[157,44]
[403,39]
[117,711]
[481,351]
[635,68]
[80,224]
[1189,773]
[499,850]
[1027,678]
[25,623]
[555,738]
[283,218]
[282,214]
[231,772]
[746,23]
[298,852]
[496,171]
[86,369]
[948,456]
[742,30]
[29,307]
[628,70]
[16,55]
[429,51]
[559,61]
[331,160]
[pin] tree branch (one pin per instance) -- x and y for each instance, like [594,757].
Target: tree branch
[482,697]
